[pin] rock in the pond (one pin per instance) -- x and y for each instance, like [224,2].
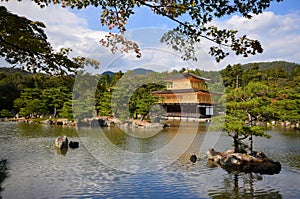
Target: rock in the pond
[61,142]
[73,145]
[193,158]
[240,162]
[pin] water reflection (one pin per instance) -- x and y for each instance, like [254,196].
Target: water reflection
[36,170]
[62,151]
[37,130]
[243,186]
[3,173]
[283,146]
[131,150]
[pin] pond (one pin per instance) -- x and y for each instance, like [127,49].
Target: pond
[139,163]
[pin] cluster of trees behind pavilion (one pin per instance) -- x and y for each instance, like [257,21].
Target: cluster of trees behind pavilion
[275,87]
[271,90]
[257,93]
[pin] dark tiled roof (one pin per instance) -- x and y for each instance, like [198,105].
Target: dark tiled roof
[178,91]
[186,75]
[183,91]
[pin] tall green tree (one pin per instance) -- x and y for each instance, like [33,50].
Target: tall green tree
[55,98]
[286,106]
[249,103]
[234,125]
[104,92]
[67,111]
[120,100]
[83,98]
[232,76]
[30,103]
[245,108]
[142,100]
[103,102]
[131,95]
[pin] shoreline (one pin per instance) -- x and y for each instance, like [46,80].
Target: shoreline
[108,121]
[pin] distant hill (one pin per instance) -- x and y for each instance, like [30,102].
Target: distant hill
[14,70]
[141,71]
[109,73]
[287,66]
[137,71]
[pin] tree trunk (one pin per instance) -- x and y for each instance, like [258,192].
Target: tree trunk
[250,145]
[54,112]
[236,142]
[143,117]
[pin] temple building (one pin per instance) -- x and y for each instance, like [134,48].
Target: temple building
[186,96]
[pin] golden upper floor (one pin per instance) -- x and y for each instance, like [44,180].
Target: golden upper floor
[186,81]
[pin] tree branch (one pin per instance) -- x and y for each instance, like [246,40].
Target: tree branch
[242,138]
[189,27]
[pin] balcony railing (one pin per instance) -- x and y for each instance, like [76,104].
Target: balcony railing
[179,114]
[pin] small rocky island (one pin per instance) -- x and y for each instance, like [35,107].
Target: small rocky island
[232,162]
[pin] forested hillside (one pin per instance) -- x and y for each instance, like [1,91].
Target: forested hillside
[280,88]
[287,66]
[33,95]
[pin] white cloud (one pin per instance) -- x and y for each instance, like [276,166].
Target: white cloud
[63,28]
[278,34]
[155,55]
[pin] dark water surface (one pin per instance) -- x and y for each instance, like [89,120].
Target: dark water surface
[38,170]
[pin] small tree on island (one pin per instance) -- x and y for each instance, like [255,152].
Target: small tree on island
[245,108]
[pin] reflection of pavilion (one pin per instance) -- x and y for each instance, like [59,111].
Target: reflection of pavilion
[187,97]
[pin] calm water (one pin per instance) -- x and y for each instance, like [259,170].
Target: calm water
[132,168]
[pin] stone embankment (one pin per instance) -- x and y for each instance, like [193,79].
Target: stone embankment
[282,124]
[95,122]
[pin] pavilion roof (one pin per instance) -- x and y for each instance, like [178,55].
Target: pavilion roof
[186,75]
[183,91]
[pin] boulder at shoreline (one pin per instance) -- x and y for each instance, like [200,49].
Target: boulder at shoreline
[61,142]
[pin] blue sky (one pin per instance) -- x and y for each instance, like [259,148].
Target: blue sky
[143,17]
[285,7]
[278,29]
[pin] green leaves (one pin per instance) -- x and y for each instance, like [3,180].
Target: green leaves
[142,100]
[269,90]
[287,109]
[244,110]
[24,42]
[115,14]
[188,34]
[103,102]
[34,101]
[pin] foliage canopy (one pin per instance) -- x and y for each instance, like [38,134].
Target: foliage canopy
[28,43]
[24,42]
[183,38]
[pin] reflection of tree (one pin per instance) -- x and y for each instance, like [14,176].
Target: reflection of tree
[34,131]
[3,172]
[234,189]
